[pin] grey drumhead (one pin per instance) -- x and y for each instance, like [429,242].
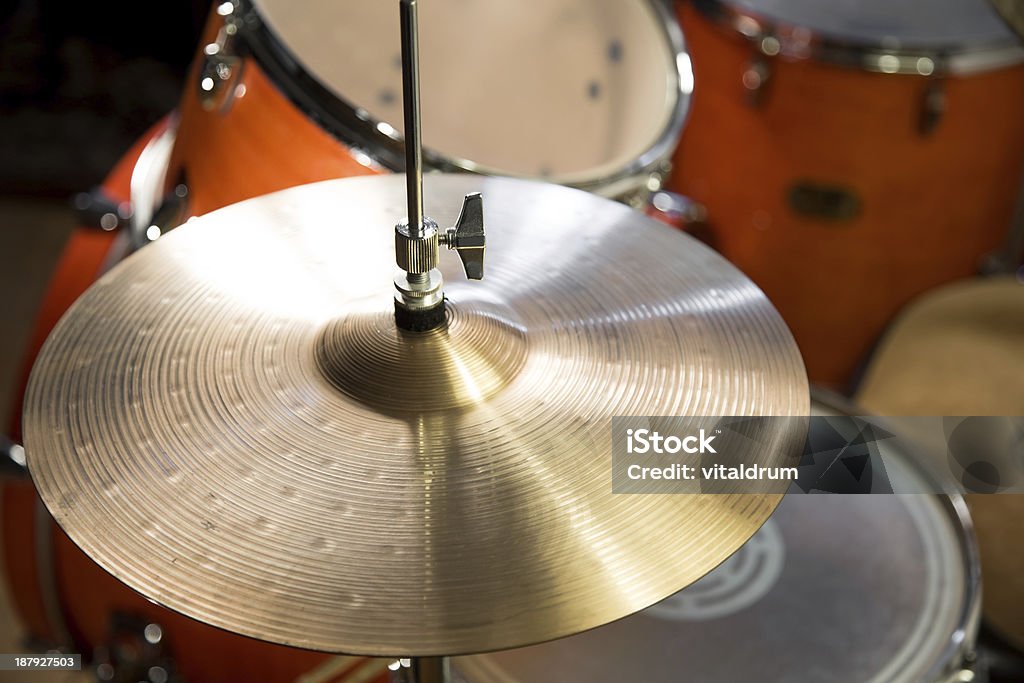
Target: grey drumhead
[894,24]
[866,588]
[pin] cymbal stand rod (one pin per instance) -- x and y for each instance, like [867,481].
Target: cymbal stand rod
[422,670]
[413,126]
[419,299]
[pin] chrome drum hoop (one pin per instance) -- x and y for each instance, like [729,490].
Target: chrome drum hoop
[779,38]
[959,653]
[356,128]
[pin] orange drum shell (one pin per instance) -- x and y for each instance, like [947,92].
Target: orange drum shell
[78,267]
[87,594]
[259,143]
[201,653]
[932,205]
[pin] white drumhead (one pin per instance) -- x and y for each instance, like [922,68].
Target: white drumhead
[571,90]
[893,24]
[855,588]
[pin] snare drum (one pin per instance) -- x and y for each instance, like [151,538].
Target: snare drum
[852,155]
[587,93]
[855,588]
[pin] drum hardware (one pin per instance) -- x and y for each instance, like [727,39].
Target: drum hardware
[97,209]
[419,300]
[330,95]
[172,211]
[150,212]
[12,458]
[825,202]
[220,74]
[156,209]
[767,44]
[757,74]
[774,36]
[421,670]
[676,210]
[135,652]
[682,213]
[858,113]
[934,107]
[755,78]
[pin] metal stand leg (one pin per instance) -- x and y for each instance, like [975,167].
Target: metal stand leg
[422,670]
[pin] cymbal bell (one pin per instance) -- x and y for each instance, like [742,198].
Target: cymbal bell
[230,422]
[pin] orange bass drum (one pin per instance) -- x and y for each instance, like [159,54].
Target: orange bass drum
[852,156]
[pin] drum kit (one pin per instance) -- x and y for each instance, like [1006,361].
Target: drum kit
[278,434]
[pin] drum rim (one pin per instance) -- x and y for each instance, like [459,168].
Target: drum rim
[354,127]
[874,58]
[958,653]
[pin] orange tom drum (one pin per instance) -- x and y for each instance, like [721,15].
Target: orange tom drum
[588,93]
[852,155]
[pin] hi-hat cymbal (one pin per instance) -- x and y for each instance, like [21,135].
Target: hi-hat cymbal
[230,423]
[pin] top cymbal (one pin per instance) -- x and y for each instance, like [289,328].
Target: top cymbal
[1013,12]
[230,423]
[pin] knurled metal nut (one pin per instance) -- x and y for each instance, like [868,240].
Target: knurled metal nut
[416,254]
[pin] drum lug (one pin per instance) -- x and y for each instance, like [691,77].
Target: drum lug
[134,651]
[683,213]
[170,213]
[933,107]
[220,71]
[676,210]
[759,70]
[822,201]
[12,459]
[97,209]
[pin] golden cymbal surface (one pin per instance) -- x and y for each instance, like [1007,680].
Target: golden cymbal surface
[230,423]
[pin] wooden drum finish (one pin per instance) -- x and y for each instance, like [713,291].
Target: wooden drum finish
[63,597]
[280,96]
[257,142]
[844,192]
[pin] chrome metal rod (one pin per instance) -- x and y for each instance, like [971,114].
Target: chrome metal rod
[411,102]
[423,670]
